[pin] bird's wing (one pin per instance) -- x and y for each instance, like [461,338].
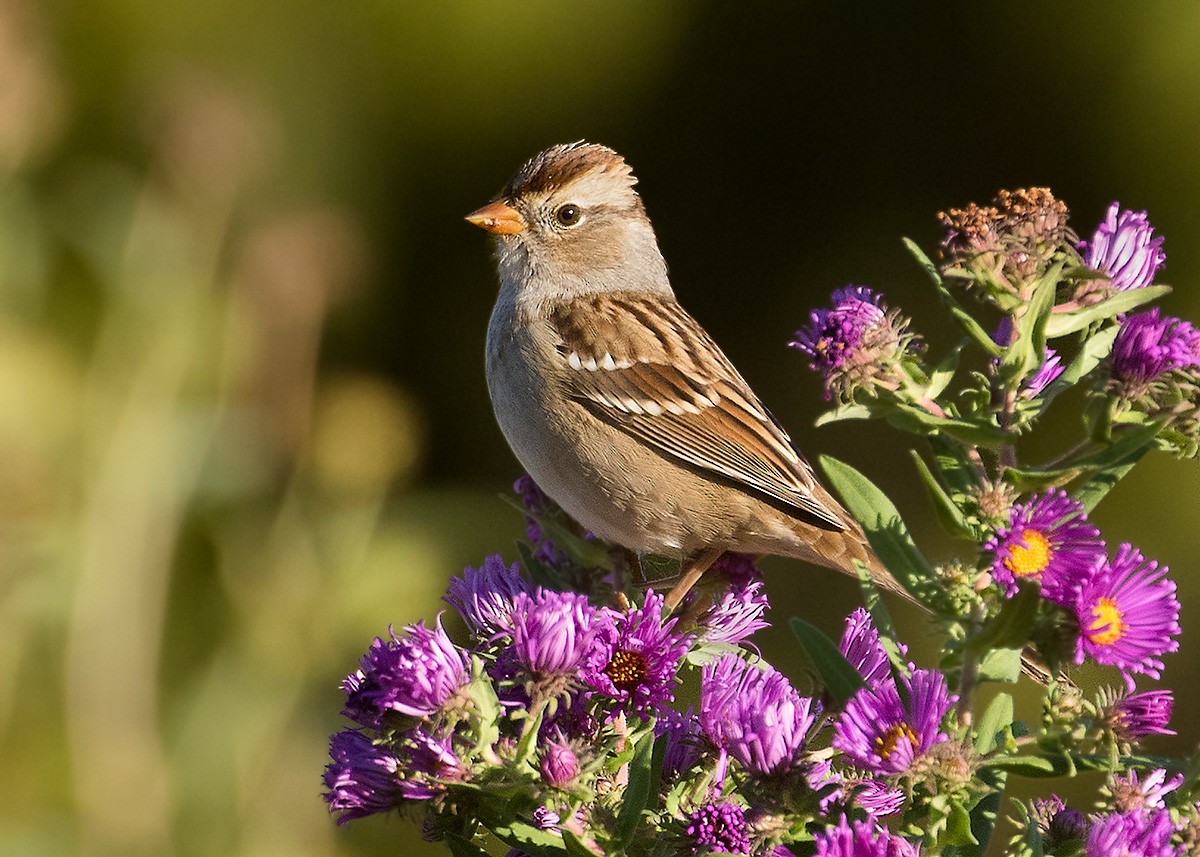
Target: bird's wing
[644,365]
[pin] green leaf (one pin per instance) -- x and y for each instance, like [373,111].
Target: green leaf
[1028,350]
[985,813]
[1093,352]
[1027,843]
[461,847]
[948,514]
[1002,665]
[841,680]
[958,827]
[952,464]
[637,791]
[525,837]
[1011,627]
[845,412]
[997,717]
[916,420]
[1026,766]
[943,373]
[1110,463]
[886,532]
[1094,490]
[965,320]
[1061,324]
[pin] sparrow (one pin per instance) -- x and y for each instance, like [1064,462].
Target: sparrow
[617,402]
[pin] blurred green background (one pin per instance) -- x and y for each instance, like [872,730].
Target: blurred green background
[243,421]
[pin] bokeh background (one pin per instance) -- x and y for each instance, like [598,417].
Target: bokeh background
[243,421]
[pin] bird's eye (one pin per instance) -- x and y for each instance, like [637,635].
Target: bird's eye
[568,215]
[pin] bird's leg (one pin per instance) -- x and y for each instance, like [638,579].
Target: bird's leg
[691,571]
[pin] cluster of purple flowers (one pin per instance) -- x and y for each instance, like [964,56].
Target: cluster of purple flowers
[1124,606]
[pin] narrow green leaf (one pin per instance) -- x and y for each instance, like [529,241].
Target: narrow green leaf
[1116,458]
[1002,665]
[916,420]
[965,320]
[985,813]
[1061,324]
[886,532]
[1026,766]
[525,837]
[996,717]
[948,514]
[943,373]
[1095,489]
[637,791]
[952,464]
[841,679]
[845,412]
[1028,349]
[1089,357]
[958,827]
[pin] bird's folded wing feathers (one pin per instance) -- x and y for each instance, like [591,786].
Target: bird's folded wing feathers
[646,367]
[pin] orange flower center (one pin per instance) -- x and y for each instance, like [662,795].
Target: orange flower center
[627,670]
[885,744]
[1107,625]
[1031,558]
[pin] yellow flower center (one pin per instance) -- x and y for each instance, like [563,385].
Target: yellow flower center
[885,744]
[627,670]
[1106,627]
[1031,558]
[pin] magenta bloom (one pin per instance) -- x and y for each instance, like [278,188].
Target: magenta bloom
[1149,345]
[718,827]
[559,766]
[484,596]
[636,656]
[415,673]
[880,733]
[1125,248]
[736,615]
[861,647]
[554,633]
[1130,792]
[362,778]
[429,762]
[685,742]
[862,839]
[833,335]
[1133,834]
[1137,715]
[754,715]
[1128,615]
[1048,540]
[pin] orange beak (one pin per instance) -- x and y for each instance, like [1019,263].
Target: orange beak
[499,218]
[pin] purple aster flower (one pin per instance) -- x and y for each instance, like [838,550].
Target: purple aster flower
[862,839]
[636,656]
[1133,716]
[362,778]
[417,673]
[1130,793]
[736,569]
[429,762]
[685,742]
[484,596]
[754,715]
[853,344]
[1133,834]
[736,615]
[1128,615]
[546,819]
[1048,540]
[877,798]
[718,827]
[1125,248]
[1057,822]
[554,634]
[1149,345]
[861,647]
[880,733]
[559,765]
